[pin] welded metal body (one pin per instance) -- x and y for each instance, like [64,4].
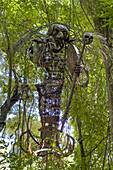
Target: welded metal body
[52,54]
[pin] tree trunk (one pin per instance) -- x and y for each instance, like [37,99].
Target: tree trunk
[93,10]
[109,80]
[83,164]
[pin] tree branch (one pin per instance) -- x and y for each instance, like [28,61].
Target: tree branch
[95,147]
[47,13]
[9,56]
[72,91]
[108,129]
[86,14]
[80,140]
[80,137]
[19,43]
[5,108]
[11,100]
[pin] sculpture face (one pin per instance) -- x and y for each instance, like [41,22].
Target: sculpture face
[87,37]
[58,31]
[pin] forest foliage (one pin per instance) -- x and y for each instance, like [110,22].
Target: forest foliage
[88,116]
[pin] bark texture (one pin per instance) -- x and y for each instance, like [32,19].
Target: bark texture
[5,108]
[93,10]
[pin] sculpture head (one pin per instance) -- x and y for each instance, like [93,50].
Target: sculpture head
[58,31]
[87,38]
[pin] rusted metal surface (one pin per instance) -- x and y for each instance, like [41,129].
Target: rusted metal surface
[54,54]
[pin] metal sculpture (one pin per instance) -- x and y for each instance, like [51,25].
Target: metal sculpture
[55,53]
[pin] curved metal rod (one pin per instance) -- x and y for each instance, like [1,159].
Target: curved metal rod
[49,150]
[33,138]
[36,153]
[26,151]
[66,144]
[68,138]
[72,140]
[87,81]
[28,131]
[71,148]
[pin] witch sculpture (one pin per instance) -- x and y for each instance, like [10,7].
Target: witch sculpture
[56,53]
